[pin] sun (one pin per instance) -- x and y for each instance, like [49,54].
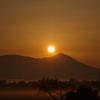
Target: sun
[51,49]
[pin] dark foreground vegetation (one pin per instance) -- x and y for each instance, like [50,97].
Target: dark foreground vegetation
[50,88]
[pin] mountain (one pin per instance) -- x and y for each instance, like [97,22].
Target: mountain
[60,66]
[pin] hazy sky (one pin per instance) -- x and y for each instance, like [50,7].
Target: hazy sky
[28,27]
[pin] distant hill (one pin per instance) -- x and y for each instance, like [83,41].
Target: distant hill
[60,66]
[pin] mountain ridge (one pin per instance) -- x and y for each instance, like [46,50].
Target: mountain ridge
[59,66]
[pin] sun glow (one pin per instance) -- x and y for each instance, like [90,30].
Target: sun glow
[51,49]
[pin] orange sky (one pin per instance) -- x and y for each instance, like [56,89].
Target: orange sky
[28,27]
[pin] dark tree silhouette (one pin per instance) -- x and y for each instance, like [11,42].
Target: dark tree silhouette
[13,85]
[2,83]
[83,93]
[50,86]
[98,81]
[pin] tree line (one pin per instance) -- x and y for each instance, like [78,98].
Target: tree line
[50,86]
[71,83]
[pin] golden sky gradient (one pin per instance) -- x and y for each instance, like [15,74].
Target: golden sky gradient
[29,27]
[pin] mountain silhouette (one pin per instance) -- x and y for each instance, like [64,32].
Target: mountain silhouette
[60,66]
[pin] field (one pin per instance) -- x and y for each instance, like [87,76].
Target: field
[24,95]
